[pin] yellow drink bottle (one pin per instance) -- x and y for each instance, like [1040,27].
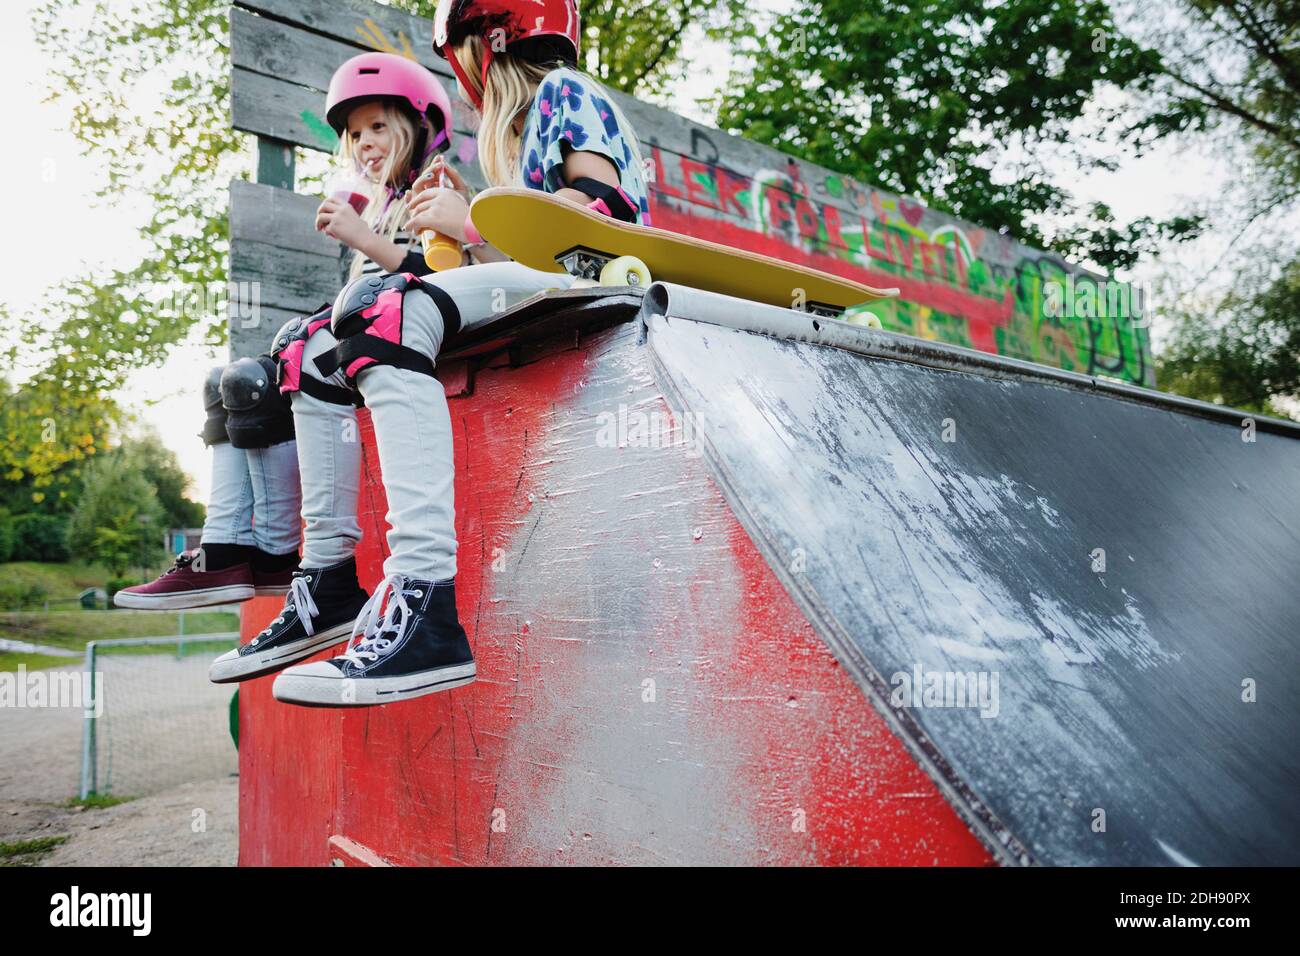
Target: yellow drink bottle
[440,251]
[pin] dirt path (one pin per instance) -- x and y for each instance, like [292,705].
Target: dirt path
[165,739]
[195,824]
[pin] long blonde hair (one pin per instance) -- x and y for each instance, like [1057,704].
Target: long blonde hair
[386,210]
[511,87]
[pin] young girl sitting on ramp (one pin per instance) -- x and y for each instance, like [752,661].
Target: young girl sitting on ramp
[392,116]
[547,126]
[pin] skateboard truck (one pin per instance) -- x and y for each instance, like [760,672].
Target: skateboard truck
[590,266]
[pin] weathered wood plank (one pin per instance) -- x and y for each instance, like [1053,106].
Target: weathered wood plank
[279,49]
[268,107]
[278,217]
[353,21]
[254,339]
[272,107]
[285,278]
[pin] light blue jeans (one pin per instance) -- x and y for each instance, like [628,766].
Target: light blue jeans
[256,497]
[412,431]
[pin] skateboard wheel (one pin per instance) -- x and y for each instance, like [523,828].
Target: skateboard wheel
[625,270]
[860,316]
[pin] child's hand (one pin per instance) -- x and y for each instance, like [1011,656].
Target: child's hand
[340,221]
[432,178]
[440,209]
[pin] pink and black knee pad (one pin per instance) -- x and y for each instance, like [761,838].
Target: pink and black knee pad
[287,350]
[368,321]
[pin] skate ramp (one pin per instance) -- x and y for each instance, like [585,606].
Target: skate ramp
[937,511]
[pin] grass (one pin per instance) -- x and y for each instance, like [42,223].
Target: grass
[96,801]
[28,852]
[11,661]
[62,581]
[72,629]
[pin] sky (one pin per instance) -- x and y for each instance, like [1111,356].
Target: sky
[67,237]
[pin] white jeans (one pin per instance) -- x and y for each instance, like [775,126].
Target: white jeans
[412,431]
[255,497]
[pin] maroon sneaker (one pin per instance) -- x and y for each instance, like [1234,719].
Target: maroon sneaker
[183,586]
[273,583]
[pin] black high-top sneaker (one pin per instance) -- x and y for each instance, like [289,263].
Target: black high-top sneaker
[412,647]
[319,611]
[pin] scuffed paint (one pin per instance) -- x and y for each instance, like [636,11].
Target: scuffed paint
[647,691]
[945,524]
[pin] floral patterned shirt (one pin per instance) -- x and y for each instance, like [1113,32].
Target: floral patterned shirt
[571,107]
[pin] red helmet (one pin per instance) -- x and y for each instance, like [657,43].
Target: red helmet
[370,75]
[517,21]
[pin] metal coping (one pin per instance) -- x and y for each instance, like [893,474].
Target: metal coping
[670,301]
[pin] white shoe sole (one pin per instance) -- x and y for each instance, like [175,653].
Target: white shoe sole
[311,691]
[226,669]
[182,600]
[279,590]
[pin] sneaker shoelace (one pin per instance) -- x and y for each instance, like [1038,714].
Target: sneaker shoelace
[183,561]
[376,621]
[299,599]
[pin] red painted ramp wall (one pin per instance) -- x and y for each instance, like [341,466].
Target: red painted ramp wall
[647,691]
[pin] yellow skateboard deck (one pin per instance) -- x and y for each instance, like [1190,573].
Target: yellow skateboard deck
[552,234]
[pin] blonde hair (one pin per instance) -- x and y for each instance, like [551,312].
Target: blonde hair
[383,217]
[511,87]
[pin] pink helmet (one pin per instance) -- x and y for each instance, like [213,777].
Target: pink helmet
[370,75]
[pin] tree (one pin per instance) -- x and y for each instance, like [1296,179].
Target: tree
[638,47]
[1231,80]
[1249,359]
[49,426]
[952,101]
[160,468]
[118,522]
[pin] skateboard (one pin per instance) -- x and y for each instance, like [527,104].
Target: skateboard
[552,234]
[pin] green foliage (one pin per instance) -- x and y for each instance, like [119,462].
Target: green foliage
[29,852]
[161,469]
[62,581]
[924,98]
[71,629]
[116,584]
[118,521]
[174,157]
[6,536]
[638,48]
[40,537]
[97,801]
[49,426]
[1230,72]
[1112,247]
[16,595]
[1247,359]
[12,660]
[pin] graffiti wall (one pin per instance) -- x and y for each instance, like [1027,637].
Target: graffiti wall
[959,283]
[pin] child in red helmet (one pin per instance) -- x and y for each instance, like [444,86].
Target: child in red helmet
[545,125]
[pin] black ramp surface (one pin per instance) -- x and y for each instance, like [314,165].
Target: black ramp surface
[1118,690]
